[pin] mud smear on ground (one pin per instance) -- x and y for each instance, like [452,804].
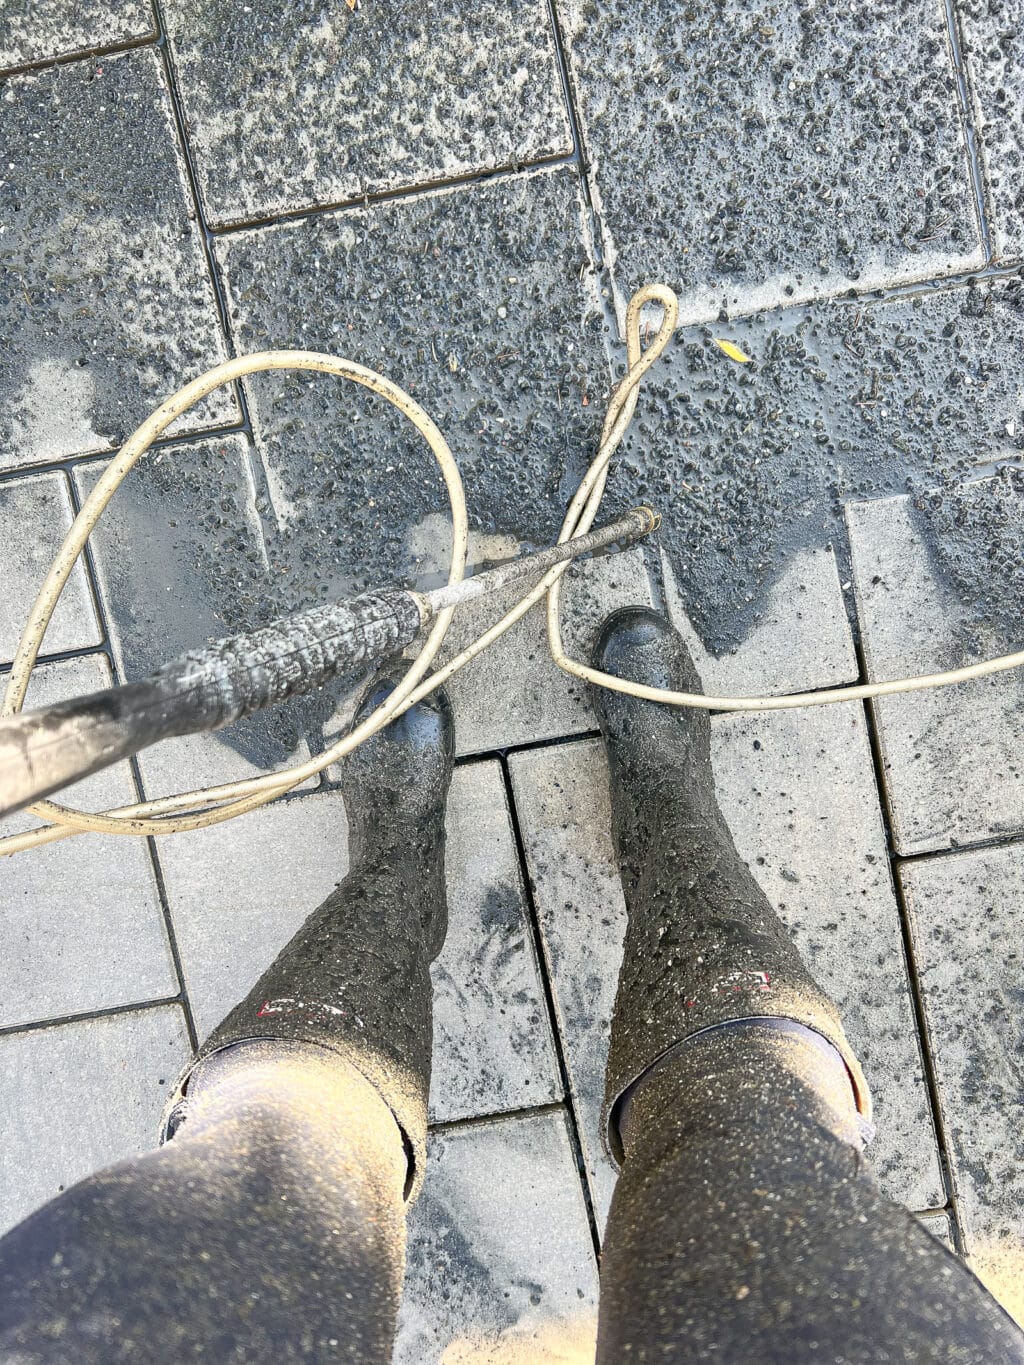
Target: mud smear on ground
[842,401]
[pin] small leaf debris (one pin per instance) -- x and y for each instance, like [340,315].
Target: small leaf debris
[733,351]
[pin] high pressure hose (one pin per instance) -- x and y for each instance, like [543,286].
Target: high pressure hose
[212,805]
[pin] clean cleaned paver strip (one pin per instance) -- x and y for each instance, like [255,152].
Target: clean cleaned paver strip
[968,931]
[35,515]
[953,762]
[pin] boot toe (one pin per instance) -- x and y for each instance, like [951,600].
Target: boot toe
[640,644]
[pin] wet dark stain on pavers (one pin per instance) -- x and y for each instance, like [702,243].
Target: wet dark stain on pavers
[108,304]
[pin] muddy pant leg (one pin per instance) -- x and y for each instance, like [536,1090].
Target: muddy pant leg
[745,1226]
[271,1228]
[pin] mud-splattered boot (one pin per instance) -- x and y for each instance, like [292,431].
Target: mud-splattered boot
[355,978]
[703,946]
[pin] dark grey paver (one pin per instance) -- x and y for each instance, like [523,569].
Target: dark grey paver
[747,155]
[751,464]
[38,30]
[968,926]
[493,1048]
[500,1263]
[954,772]
[239,891]
[313,104]
[994,48]
[479,302]
[80,1096]
[182,558]
[35,515]
[798,793]
[80,920]
[109,308]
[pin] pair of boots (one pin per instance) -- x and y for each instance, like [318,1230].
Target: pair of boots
[703,947]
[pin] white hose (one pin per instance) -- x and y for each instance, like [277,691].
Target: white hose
[211,805]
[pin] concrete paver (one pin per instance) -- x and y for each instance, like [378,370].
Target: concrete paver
[39,30]
[500,1262]
[80,920]
[80,1096]
[939,1226]
[748,156]
[967,928]
[109,305]
[281,101]
[182,558]
[493,1048]
[35,515]
[953,766]
[994,51]
[815,844]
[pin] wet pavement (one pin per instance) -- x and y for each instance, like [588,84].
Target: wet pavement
[466,202]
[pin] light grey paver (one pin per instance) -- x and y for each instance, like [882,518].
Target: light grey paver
[968,927]
[182,559]
[939,1226]
[315,104]
[80,920]
[35,515]
[798,793]
[953,765]
[493,1048]
[747,156]
[109,305]
[751,465]
[80,1096]
[500,1263]
[238,892]
[38,30]
[994,48]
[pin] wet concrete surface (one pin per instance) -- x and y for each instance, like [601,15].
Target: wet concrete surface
[993,44]
[35,30]
[842,401]
[108,304]
[754,153]
[279,98]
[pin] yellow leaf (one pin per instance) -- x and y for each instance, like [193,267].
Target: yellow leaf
[733,351]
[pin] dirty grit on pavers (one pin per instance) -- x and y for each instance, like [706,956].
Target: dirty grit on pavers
[465,199]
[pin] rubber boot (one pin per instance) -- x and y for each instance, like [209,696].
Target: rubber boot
[703,946]
[355,978]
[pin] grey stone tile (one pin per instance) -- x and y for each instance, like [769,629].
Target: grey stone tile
[746,157]
[797,790]
[239,891]
[35,515]
[994,49]
[939,1226]
[80,920]
[953,767]
[315,105]
[500,1262]
[111,308]
[80,1096]
[182,558]
[751,464]
[967,926]
[39,30]
[493,1048]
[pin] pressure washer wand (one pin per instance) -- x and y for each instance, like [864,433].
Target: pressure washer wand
[42,751]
